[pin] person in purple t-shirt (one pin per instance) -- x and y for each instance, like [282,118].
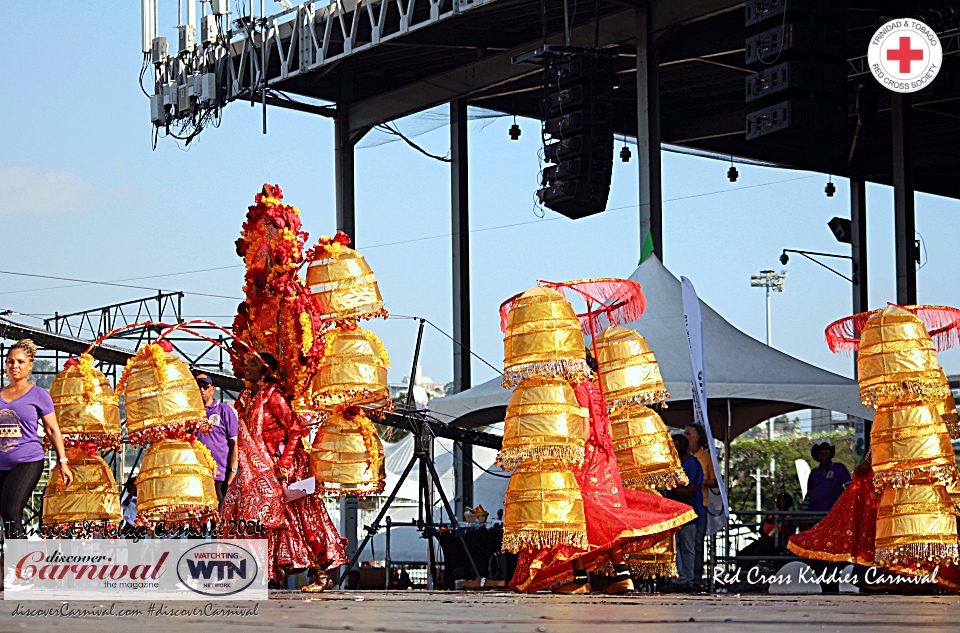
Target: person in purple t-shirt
[222,438]
[22,407]
[826,481]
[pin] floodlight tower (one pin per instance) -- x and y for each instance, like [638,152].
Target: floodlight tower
[771,281]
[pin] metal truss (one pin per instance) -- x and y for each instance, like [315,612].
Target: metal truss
[319,35]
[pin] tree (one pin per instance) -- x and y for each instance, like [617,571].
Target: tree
[746,455]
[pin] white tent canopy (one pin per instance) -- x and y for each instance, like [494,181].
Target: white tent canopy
[747,381]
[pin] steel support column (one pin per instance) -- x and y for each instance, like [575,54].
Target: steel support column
[858,243]
[648,141]
[460,229]
[344,146]
[903,201]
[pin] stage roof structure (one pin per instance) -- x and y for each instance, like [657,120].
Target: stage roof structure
[756,381]
[384,60]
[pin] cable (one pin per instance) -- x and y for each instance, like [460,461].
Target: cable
[187,272]
[455,341]
[393,130]
[107,283]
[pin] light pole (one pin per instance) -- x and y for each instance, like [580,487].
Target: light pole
[770,281]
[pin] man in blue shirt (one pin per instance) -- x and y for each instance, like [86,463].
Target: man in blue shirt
[692,495]
[222,438]
[827,480]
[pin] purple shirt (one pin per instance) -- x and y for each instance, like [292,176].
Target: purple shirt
[224,427]
[19,422]
[825,485]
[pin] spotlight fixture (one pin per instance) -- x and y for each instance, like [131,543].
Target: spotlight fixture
[514,132]
[732,173]
[830,189]
[625,154]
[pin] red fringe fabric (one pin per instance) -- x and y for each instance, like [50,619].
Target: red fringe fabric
[609,301]
[942,323]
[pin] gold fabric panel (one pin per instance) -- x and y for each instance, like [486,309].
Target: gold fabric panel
[543,337]
[93,495]
[645,452]
[628,369]
[352,371]
[175,485]
[660,559]
[896,362]
[908,442]
[151,400]
[543,420]
[86,411]
[347,457]
[543,507]
[345,287]
[916,524]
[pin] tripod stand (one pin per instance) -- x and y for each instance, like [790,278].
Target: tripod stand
[428,478]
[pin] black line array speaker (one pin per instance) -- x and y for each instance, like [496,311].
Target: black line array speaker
[577,103]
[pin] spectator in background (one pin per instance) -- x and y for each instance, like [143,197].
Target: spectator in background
[826,481]
[697,437]
[222,438]
[692,495]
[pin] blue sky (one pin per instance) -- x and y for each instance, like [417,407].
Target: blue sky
[85,196]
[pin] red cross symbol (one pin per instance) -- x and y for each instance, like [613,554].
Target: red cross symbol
[905,54]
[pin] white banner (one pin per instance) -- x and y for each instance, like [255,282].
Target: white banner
[717,517]
[118,569]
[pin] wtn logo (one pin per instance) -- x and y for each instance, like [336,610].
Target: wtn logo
[225,569]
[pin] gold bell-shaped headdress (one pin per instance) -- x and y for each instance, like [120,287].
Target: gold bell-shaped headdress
[543,421]
[897,362]
[542,337]
[92,497]
[342,282]
[628,370]
[161,396]
[948,411]
[353,371]
[347,455]
[543,507]
[86,405]
[175,484]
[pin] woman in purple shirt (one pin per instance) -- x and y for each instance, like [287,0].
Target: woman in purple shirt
[22,406]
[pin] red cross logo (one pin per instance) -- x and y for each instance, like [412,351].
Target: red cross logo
[905,55]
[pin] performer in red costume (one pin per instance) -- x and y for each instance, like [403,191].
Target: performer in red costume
[300,533]
[619,520]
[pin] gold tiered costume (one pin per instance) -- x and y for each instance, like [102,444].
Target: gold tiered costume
[89,417]
[351,382]
[646,455]
[164,408]
[548,519]
[913,467]
[280,315]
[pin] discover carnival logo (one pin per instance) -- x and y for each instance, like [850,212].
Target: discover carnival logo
[905,55]
[217,568]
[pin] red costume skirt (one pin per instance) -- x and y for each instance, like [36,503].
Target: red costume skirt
[848,534]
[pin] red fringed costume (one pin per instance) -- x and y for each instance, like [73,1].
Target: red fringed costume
[848,534]
[615,515]
[300,533]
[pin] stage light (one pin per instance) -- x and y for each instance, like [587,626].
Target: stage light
[514,132]
[625,154]
[732,173]
[842,230]
[830,189]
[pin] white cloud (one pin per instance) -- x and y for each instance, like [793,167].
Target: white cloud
[38,192]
